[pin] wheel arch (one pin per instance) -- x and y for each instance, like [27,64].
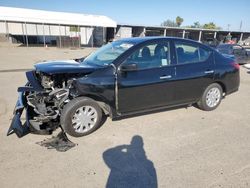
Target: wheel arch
[223,86]
[104,105]
[202,103]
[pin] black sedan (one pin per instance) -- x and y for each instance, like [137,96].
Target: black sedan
[126,77]
[235,51]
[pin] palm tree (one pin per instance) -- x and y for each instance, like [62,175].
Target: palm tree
[179,21]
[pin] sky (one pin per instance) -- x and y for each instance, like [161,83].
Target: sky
[152,12]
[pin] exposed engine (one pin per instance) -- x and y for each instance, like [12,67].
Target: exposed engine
[47,104]
[51,85]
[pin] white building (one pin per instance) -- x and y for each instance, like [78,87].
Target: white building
[62,29]
[37,26]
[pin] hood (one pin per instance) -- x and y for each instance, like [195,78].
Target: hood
[65,66]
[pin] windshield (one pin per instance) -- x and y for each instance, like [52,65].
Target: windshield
[108,53]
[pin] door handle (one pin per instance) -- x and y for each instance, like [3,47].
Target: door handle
[209,72]
[165,77]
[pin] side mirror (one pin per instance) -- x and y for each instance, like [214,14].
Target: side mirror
[128,67]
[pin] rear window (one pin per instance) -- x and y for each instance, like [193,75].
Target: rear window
[225,49]
[190,53]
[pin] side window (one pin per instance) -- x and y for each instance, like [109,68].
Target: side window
[189,53]
[151,56]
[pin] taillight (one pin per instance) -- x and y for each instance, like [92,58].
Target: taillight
[235,65]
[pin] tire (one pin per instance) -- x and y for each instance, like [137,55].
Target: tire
[211,97]
[81,117]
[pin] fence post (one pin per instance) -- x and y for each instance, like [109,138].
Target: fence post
[44,43]
[215,34]
[241,36]
[79,36]
[200,34]
[27,42]
[60,39]
[183,34]
[7,30]
[92,37]
[165,32]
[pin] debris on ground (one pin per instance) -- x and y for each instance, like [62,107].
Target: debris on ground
[60,142]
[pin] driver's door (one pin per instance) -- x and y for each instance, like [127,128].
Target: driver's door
[151,84]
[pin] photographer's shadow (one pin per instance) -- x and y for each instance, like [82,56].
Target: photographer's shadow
[129,166]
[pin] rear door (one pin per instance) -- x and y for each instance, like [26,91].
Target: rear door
[194,70]
[152,84]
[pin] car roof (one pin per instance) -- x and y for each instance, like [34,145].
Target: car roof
[137,40]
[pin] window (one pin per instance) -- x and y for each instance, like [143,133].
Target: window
[108,53]
[74,29]
[151,56]
[189,53]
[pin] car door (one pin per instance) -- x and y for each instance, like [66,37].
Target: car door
[194,70]
[152,83]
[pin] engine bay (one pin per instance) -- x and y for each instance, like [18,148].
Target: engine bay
[44,106]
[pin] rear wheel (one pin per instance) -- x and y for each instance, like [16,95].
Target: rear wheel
[211,97]
[81,116]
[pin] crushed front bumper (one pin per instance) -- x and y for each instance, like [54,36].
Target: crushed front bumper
[41,107]
[16,125]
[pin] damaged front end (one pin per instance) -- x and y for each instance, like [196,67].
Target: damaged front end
[42,98]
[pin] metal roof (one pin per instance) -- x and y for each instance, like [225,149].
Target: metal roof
[181,28]
[49,17]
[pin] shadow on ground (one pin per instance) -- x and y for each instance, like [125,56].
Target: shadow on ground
[60,142]
[129,166]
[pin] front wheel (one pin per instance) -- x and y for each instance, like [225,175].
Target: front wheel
[81,116]
[211,97]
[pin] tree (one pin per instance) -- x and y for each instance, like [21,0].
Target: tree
[196,25]
[169,23]
[179,21]
[210,25]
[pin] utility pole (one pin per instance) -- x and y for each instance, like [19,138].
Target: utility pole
[240,25]
[228,26]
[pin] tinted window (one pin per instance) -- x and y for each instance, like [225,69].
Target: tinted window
[151,56]
[189,53]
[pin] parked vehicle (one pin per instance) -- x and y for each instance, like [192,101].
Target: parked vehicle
[247,66]
[211,42]
[122,78]
[235,51]
[246,42]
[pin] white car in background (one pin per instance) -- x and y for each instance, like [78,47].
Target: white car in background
[247,66]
